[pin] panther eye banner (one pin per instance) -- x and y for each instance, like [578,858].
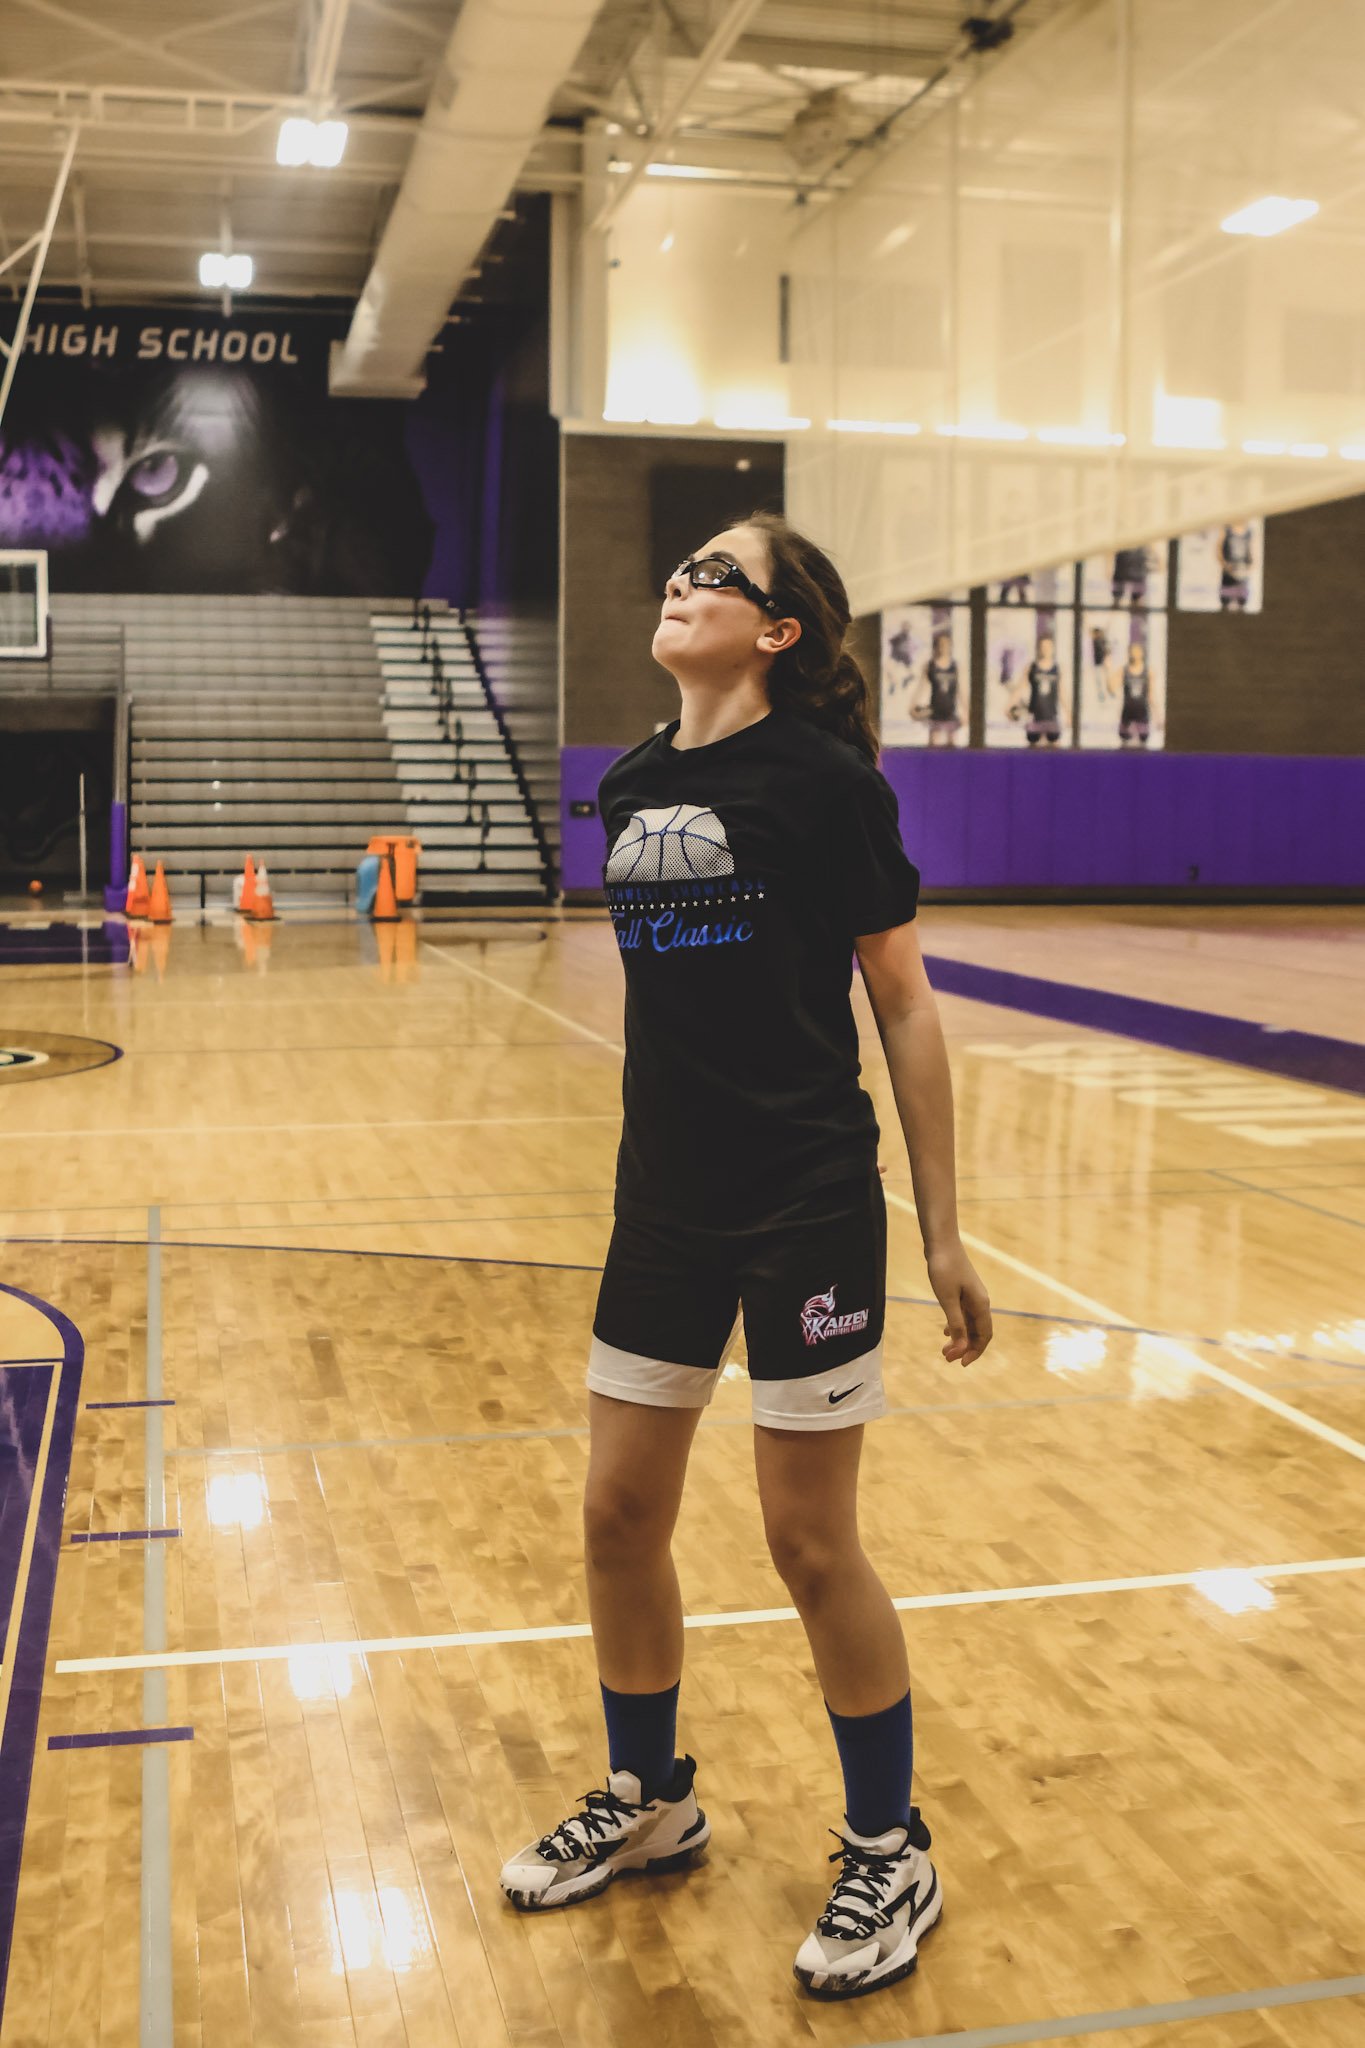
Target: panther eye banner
[158,449]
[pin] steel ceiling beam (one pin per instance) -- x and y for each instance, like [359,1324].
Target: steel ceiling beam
[84,275]
[40,244]
[58,101]
[138,46]
[413,23]
[716,49]
[214,24]
[326,30]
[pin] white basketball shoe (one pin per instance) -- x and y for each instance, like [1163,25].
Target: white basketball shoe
[615,1832]
[885,1899]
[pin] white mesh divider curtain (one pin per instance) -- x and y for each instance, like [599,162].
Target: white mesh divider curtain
[1025,337]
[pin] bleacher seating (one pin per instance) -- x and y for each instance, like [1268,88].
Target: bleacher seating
[293,728]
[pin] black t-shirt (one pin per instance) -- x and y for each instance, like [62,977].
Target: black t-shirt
[738,875]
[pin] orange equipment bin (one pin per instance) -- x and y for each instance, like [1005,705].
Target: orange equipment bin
[402,848]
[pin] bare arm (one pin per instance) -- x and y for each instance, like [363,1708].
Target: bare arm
[917,1060]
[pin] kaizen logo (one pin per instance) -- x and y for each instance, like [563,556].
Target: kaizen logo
[818,1319]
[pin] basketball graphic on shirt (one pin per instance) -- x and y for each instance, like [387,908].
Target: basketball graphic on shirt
[672,843]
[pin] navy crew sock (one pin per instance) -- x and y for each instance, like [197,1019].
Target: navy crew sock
[642,1731]
[877,1755]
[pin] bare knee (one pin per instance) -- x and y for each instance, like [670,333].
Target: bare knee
[812,1563]
[622,1524]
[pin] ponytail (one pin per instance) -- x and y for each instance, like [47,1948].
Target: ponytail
[817,677]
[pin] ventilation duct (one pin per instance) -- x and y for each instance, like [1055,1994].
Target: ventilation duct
[486,108]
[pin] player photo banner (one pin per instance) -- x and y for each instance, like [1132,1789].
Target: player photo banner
[1220,568]
[1028,676]
[1123,680]
[1131,576]
[926,672]
[1035,587]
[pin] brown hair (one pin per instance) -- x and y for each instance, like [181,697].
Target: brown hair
[816,677]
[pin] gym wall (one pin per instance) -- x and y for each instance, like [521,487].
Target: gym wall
[1289,679]
[633,505]
[1258,794]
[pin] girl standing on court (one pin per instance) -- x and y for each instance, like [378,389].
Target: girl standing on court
[753,844]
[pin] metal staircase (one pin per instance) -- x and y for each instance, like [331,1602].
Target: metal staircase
[295,728]
[462,785]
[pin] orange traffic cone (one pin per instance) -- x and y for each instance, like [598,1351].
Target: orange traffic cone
[385,903]
[159,909]
[263,907]
[139,900]
[246,902]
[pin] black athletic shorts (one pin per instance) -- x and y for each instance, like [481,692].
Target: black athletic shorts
[810,1277]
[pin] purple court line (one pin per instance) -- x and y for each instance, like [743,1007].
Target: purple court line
[338,1251]
[29,1630]
[30,1361]
[1292,1197]
[327,1251]
[122,1535]
[160,1401]
[120,1735]
[1296,1055]
[228,1052]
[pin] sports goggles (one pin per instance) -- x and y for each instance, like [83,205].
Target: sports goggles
[717,572]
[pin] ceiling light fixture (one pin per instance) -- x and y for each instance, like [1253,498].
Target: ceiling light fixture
[992,430]
[1269,216]
[1080,437]
[220,272]
[758,423]
[320,143]
[873,426]
[679,171]
[1182,422]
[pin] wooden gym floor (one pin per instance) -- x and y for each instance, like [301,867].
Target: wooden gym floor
[298,1300]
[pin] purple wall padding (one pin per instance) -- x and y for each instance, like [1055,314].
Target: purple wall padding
[117,888]
[972,819]
[583,841]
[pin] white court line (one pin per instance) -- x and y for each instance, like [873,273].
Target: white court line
[480,974]
[1174,1349]
[393,1123]
[469,1639]
[1300,1420]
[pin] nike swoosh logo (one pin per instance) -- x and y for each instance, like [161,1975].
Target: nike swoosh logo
[835,1399]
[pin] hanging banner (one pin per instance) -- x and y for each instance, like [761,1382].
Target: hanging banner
[1028,676]
[1220,568]
[1132,576]
[161,450]
[926,671]
[1123,680]
[1035,586]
